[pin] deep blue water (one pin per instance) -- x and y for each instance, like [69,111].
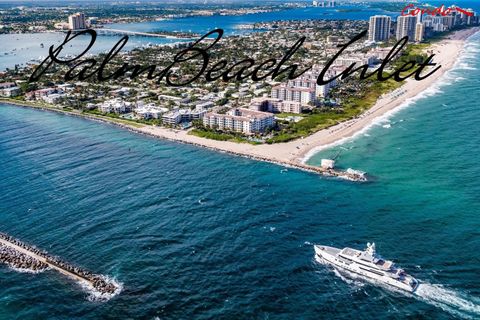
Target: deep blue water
[191,233]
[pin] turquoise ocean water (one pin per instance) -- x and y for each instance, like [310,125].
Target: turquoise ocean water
[193,233]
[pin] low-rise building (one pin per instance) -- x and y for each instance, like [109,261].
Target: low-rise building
[53,98]
[10,92]
[114,106]
[40,94]
[358,59]
[172,118]
[177,116]
[120,92]
[4,85]
[205,105]
[150,111]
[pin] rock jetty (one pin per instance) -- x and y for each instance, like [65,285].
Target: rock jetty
[19,255]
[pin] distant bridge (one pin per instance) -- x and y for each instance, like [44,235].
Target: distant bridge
[134,33]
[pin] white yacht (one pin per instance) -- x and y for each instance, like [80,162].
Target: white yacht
[367,264]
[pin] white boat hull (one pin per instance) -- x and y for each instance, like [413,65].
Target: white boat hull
[324,254]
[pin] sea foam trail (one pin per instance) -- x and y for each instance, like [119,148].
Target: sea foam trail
[454,302]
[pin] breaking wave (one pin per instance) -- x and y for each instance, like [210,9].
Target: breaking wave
[97,296]
[28,270]
[470,52]
[465,66]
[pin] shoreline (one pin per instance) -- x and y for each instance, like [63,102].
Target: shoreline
[451,49]
[296,153]
[140,129]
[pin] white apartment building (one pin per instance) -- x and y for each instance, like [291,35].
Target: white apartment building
[419,32]
[406,27]
[183,115]
[172,118]
[114,106]
[240,120]
[304,89]
[150,111]
[358,59]
[9,89]
[77,21]
[10,92]
[379,28]
[298,94]
[53,98]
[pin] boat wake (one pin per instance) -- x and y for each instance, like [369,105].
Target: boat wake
[454,302]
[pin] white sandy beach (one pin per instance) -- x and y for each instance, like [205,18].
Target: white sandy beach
[296,152]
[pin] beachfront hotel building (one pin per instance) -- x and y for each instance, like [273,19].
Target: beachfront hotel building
[240,120]
[379,28]
[276,105]
[406,26]
[77,21]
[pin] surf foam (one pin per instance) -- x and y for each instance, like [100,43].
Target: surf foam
[97,296]
[468,52]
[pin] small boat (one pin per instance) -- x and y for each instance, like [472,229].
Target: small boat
[366,264]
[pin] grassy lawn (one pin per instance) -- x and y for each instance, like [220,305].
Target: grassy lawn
[351,107]
[113,118]
[286,115]
[98,115]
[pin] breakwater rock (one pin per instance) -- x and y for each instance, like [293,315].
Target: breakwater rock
[21,256]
